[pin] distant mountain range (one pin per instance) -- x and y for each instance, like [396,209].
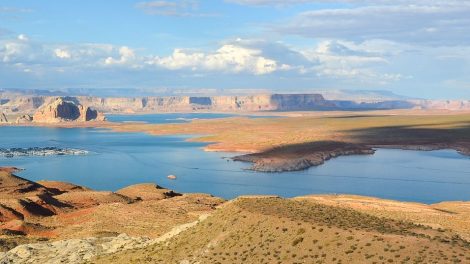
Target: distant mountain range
[361,95]
[134,92]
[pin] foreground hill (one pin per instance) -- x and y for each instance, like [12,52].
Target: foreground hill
[31,211]
[275,230]
[55,222]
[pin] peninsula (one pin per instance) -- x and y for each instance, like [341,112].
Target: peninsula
[304,139]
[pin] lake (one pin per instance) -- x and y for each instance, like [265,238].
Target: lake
[121,159]
[175,117]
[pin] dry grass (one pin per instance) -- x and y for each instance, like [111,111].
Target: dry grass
[274,230]
[446,215]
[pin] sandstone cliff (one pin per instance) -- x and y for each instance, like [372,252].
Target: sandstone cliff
[3,118]
[28,104]
[66,109]
[266,102]
[23,119]
[442,104]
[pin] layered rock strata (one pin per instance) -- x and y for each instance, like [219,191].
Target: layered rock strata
[63,110]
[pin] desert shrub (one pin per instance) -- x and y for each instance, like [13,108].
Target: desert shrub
[297,241]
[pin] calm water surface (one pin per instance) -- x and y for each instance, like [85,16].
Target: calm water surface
[122,159]
[174,118]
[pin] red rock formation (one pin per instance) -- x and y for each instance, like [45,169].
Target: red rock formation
[146,192]
[62,110]
[24,119]
[50,209]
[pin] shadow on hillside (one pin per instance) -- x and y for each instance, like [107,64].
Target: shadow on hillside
[301,149]
[414,134]
[354,116]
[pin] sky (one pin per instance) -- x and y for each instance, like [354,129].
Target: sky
[415,48]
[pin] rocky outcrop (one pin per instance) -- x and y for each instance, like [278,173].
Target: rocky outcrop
[72,251]
[21,198]
[26,104]
[147,192]
[66,110]
[86,249]
[3,118]
[24,119]
[13,186]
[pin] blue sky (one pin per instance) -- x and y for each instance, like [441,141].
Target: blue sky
[417,48]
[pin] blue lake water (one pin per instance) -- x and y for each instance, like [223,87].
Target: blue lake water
[122,159]
[174,118]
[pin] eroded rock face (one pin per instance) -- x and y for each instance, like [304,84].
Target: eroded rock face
[24,119]
[245,103]
[73,250]
[3,118]
[62,110]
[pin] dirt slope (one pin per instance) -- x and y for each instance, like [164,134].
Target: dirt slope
[275,230]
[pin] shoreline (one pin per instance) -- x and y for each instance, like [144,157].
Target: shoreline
[170,193]
[295,156]
[262,160]
[64,201]
[77,224]
[268,162]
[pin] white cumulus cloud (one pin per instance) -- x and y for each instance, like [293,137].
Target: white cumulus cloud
[62,54]
[126,55]
[229,58]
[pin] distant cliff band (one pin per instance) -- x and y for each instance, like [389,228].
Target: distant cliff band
[83,108]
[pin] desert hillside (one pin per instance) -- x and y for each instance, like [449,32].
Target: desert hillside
[48,211]
[56,222]
[275,230]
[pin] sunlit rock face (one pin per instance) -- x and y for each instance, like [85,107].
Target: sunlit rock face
[81,108]
[3,118]
[24,119]
[63,110]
